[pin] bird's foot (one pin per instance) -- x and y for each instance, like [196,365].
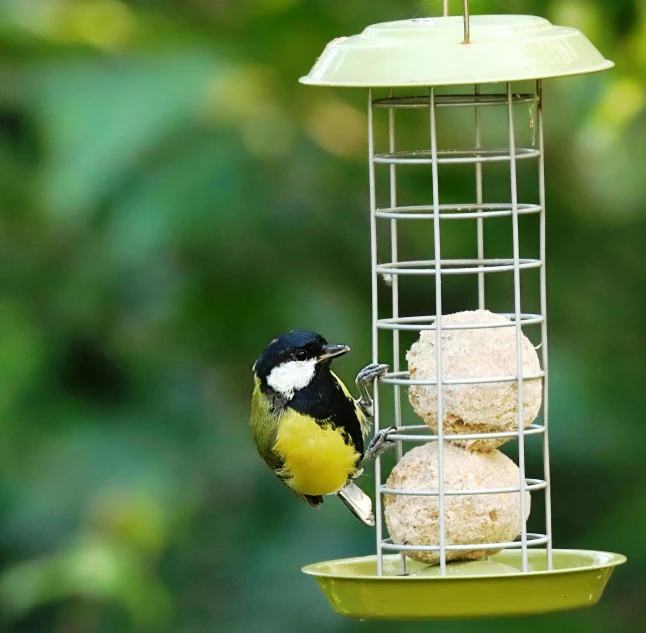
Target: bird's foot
[380,444]
[364,379]
[370,373]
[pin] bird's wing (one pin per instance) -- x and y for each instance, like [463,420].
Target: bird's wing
[264,426]
[364,422]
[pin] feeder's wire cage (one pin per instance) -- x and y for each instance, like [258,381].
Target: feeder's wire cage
[411,62]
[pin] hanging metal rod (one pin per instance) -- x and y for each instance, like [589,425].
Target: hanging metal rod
[467,26]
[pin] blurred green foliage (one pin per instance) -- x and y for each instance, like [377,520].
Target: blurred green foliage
[170,199]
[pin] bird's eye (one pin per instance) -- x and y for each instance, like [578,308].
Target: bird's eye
[301,354]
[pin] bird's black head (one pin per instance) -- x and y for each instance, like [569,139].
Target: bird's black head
[291,360]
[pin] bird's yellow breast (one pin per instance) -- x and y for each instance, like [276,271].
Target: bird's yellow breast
[317,460]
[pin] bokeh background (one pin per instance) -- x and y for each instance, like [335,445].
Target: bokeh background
[171,198]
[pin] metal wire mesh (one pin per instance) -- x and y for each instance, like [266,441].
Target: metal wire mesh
[438,268]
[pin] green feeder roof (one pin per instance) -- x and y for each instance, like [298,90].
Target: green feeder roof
[431,52]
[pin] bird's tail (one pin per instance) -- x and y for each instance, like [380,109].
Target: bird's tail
[358,501]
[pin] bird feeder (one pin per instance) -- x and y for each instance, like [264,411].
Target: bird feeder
[437,67]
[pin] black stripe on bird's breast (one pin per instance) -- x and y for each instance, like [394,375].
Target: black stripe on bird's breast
[325,401]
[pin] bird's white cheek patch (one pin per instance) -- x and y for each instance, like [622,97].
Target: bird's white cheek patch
[292,376]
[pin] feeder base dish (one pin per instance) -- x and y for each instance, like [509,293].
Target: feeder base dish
[481,589]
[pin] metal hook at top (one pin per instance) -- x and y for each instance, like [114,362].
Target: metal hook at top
[467,26]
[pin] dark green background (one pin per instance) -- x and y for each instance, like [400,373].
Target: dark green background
[172,198]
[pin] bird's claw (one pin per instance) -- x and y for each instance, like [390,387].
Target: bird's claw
[370,373]
[380,444]
[364,379]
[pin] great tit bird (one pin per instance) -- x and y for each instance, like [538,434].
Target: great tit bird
[307,427]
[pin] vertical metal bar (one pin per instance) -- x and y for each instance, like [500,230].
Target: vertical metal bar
[519,331]
[446,7]
[375,316]
[395,278]
[395,286]
[546,448]
[438,331]
[467,25]
[479,198]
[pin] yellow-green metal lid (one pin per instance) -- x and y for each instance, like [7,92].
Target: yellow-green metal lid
[431,52]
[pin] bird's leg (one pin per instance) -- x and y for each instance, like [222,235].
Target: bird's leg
[380,444]
[365,378]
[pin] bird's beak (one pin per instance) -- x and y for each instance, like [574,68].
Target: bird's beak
[332,351]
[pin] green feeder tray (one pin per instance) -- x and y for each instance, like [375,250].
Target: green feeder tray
[486,589]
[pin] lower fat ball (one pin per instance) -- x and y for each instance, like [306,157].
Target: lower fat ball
[475,353]
[470,519]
